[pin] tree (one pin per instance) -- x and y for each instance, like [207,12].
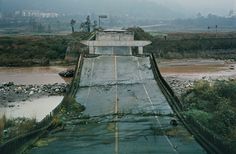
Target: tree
[85,26]
[231,12]
[88,23]
[208,28]
[72,23]
[95,24]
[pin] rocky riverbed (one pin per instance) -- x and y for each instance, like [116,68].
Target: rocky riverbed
[181,74]
[10,92]
[180,84]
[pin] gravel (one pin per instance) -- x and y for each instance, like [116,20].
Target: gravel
[9,92]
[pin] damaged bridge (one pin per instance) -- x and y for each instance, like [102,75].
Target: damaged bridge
[128,110]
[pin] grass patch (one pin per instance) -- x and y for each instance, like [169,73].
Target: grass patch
[11,128]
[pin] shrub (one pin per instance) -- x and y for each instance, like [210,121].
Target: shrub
[212,104]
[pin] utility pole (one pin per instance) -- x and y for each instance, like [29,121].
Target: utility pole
[101,17]
[72,23]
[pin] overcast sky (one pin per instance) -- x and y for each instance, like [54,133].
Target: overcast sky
[220,7]
[183,8]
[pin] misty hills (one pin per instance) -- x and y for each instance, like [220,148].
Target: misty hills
[139,9]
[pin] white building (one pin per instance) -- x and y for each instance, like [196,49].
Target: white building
[37,13]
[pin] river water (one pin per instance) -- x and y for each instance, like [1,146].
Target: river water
[36,108]
[195,69]
[32,75]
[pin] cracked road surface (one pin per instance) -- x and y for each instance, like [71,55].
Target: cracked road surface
[128,113]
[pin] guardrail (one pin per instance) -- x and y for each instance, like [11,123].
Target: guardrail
[21,143]
[210,142]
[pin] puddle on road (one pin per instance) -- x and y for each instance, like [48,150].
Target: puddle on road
[36,108]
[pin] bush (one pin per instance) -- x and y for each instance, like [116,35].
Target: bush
[213,104]
[202,116]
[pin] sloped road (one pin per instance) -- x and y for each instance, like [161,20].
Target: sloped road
[128,113]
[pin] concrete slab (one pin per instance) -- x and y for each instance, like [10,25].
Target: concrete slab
[123,101]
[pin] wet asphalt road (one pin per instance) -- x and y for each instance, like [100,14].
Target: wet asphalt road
[128,113]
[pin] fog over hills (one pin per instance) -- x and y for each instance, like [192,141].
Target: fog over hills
[134,8]
[140,9]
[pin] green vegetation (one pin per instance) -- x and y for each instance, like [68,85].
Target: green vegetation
[190,45]
[71,105]
[44,50]
[218,48]
[31,50]
[10,128]
[214,106]
[36,50]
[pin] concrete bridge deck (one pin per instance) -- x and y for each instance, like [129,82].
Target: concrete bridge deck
[128,112]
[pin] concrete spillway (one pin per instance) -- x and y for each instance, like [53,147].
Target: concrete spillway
[128,112]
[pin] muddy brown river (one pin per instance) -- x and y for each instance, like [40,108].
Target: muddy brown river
[195,69]
[32,75]
[36,108]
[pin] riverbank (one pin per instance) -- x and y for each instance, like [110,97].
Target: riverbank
[182,73]
[9,92]
[33,75]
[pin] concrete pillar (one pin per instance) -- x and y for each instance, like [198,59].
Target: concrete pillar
[130,50]
[91,50]
[140,50]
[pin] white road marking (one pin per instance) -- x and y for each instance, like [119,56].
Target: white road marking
[116,106]
[90,82]
[116,109]
[150,100]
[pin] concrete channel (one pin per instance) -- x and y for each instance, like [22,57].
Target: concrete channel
[128,112]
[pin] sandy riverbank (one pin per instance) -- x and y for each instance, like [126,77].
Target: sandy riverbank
[182,73]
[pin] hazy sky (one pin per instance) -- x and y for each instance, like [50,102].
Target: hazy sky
[220,7]
[183,8]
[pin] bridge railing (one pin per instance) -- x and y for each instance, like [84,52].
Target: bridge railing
[21,143]
[211,142]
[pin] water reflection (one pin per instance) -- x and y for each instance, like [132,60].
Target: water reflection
[37,108]
[32,75]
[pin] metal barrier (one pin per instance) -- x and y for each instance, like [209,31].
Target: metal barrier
[211,142]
